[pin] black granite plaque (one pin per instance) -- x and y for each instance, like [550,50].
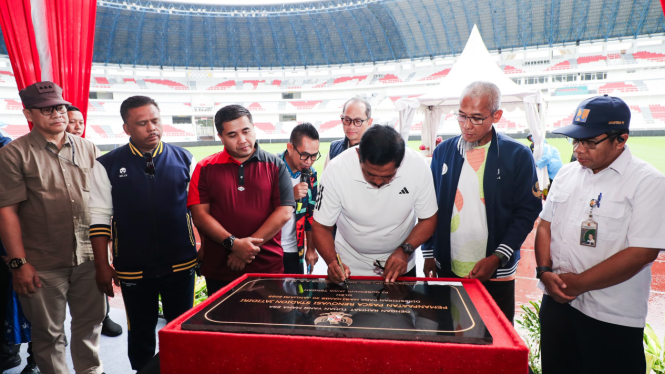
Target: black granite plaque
[424,311]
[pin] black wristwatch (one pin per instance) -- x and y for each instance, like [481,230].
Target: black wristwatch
[16,263]
[407,248]
[228,242]
[542,269]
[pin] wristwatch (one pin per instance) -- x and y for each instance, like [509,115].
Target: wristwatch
[16,263]
[407,248]
[228,242]
[542,269]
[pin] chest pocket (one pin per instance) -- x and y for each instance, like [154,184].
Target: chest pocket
[559,199]
[610,218]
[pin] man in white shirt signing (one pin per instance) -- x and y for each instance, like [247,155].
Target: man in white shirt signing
[375,193]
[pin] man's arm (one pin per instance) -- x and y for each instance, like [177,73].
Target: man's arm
[271,226]
[398,262]
[325,244]
[553,283]
[311,257]
[245,248]
[617,269]
[25,278]
[100,204]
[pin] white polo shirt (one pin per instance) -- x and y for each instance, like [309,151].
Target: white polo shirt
[630,215]
[372,222]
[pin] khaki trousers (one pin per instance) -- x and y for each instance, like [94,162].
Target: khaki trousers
[46,311]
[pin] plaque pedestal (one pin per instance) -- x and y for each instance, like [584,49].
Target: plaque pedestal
[187,351]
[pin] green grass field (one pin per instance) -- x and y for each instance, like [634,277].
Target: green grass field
[649,149]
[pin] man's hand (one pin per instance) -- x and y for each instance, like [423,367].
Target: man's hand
[26,280]
[556,287]
[335,272]
[430,268]
[311,257]
[105,275]
[573,286]
[246,249]
[300,190]
[395,265]
[235,263]
[485,268]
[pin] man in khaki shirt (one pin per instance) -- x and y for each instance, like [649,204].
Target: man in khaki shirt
[44,221]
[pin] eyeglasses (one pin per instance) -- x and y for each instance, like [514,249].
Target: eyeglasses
[356,122]
[587,143]
[305,156]
[62,109]
[150,165]
[461,118]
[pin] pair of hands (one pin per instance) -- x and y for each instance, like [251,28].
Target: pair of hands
[243,252]
[563,288]
[396,265]
[482,271]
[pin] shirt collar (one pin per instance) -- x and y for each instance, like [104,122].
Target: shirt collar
[225,157]
[621,163]
[137,152]
[42,143]
[293,175]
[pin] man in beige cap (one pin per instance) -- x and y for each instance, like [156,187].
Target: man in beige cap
[44,221]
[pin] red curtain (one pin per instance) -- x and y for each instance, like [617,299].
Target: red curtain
[20,41]
[71,40]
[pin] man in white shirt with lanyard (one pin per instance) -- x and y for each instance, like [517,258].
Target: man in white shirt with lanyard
[374,193]
[600,230]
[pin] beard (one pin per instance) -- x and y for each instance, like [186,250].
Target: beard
[463,146]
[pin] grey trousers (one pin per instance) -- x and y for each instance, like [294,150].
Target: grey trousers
[46,311]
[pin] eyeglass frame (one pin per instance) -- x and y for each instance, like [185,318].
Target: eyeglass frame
[307,155]
[353,121]
[589,141]
[482,120]
[52,108]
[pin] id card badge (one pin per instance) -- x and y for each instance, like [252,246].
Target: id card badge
[589,233]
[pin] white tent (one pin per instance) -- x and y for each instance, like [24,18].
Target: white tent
[474,64]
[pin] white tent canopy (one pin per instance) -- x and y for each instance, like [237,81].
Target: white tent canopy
[474,64]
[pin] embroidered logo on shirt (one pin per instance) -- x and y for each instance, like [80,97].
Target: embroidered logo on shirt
[404,191]
[123,172]
[444,170]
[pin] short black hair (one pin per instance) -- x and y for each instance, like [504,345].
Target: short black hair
[71,108]
[380,145]
[230,113]
[303,129]
[135,102]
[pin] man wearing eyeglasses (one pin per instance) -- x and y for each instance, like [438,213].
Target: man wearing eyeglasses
[44,213]
[356,119]
[139,195]
[301,153]
[488,196]
[599,232]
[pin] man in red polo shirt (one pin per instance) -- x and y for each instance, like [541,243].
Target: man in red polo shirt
[240,199]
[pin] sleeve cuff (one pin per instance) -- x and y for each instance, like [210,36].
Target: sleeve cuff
[100,230]
[504,253]
[427,252]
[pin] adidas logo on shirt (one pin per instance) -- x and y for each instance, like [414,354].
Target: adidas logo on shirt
[404,191]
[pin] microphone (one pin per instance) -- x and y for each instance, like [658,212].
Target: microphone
[304,177]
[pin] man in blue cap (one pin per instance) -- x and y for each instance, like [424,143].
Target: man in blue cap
[599,232]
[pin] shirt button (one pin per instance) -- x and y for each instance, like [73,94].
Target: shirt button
[72,201]
[63,169]
[69,185]
[241,177]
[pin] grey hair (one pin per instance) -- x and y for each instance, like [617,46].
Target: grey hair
[358,99]
[481,89]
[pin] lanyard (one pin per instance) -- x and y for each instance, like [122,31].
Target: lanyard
[73,160]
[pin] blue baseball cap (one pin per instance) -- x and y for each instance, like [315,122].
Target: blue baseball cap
[596,116]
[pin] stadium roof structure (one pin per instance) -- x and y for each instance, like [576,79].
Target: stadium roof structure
[339,32]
